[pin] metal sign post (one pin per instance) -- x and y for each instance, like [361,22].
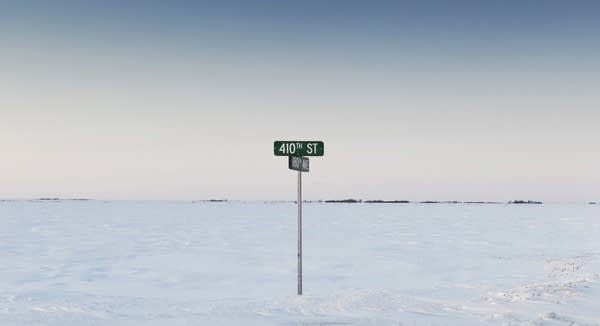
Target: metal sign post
[300,164]
[299,232]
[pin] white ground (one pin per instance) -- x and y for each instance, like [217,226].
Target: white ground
[183,263]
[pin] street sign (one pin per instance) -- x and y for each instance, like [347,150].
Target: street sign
[298,163]
[294,150]
[298,148]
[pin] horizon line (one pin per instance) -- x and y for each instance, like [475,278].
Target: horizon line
[328,201]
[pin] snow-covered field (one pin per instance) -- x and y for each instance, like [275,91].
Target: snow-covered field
[184,263]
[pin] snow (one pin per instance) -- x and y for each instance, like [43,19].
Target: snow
[234,263]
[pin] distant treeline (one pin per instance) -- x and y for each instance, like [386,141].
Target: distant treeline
[379,201]
[344,201]
[459,202]
[528,202]
[56,198]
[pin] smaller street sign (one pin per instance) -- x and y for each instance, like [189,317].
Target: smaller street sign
[298,163]
[298,148]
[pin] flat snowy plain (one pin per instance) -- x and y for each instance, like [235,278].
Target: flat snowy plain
[234,263]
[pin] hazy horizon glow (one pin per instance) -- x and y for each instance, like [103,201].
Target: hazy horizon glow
[183,100]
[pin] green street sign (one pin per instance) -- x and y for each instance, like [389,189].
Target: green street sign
[298,148]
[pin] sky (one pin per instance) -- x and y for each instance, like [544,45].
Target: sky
[415,100]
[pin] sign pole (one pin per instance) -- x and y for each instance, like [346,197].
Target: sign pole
[299,233]
[295,151]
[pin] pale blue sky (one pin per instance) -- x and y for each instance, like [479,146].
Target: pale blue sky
[183,100]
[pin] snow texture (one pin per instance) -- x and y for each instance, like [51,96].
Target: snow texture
[234,263]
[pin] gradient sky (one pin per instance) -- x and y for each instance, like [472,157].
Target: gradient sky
[446,100]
